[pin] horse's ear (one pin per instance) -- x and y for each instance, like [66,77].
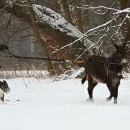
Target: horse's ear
[116,46]
[124,45]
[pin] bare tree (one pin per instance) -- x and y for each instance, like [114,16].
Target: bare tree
[124,4]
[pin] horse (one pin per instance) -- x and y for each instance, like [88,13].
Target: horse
[105,70]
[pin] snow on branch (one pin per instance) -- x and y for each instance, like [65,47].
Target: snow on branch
[127,10]
[99,9]
[89,31]
[91,47]
[103,9]
[55,20]
[108,24]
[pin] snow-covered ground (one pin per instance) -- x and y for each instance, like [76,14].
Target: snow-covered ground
[36,104]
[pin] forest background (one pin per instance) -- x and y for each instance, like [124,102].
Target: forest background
[65,30]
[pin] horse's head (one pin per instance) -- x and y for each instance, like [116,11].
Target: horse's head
[4,86]
[120,54]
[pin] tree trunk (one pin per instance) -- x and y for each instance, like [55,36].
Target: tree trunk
[39,38]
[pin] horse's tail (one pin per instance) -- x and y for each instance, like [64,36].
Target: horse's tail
[84,79]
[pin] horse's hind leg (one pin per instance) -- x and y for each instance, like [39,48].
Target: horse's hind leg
[91,85]
[111,92]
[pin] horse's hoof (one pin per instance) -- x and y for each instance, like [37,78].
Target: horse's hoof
[89,99]
[115,101]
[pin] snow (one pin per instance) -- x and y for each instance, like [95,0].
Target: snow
[36,104]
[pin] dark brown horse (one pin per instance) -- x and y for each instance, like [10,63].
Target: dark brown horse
[105,70]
